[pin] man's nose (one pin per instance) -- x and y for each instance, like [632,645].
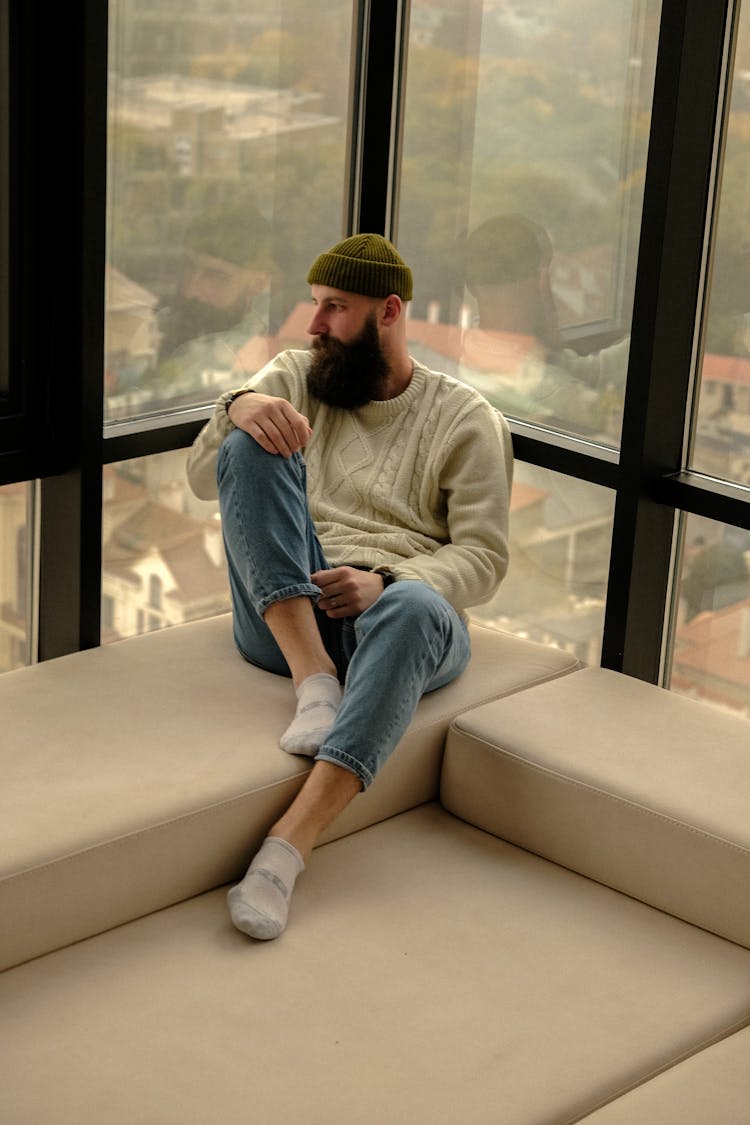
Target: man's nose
[316,327]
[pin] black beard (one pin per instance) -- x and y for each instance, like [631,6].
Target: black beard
[348,375]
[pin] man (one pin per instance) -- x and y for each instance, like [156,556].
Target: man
[354,564]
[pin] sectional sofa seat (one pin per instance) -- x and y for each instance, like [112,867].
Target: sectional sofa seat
[139,774]
[535,915]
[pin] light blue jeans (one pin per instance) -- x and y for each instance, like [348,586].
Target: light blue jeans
[410,641]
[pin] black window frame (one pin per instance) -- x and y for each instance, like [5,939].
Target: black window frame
[51,419]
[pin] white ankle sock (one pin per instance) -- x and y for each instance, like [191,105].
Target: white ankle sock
[318,699]
[259,905]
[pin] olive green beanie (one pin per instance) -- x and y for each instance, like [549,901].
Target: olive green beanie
[365,263]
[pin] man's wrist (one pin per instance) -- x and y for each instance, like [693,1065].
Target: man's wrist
[235,395]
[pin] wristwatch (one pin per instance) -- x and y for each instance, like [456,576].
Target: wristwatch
[236,394]
[387,577]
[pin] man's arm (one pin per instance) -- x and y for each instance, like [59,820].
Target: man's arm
[277,380]
[475,477]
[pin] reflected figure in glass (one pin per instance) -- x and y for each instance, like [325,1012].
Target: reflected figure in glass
[515,353]
[217,320]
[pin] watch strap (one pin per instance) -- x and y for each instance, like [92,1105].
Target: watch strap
[235,395]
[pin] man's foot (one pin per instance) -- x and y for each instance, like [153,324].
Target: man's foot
[318,700]
[259,905]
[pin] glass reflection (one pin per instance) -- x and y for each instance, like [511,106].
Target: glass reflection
[525,140]
[556,588]
[516,354]
[722,438]
[15,575]
[711,648]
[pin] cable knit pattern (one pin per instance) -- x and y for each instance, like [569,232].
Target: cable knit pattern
[419,483]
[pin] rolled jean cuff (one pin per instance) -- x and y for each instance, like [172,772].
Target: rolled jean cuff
[347,762]
[297,590]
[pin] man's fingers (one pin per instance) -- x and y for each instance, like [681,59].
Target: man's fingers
[292,427]
[283,441]
[274,424]
[347,591]
[266,440]
[323,578]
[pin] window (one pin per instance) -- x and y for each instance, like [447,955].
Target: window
[155,591]
[711,654]
[163,558]
[16,558]
[525,141]
[556,587]
[722,438]
[525,138]
[604,127]
[108,613]
[227,174]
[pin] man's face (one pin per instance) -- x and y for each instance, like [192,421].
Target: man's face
[348,367]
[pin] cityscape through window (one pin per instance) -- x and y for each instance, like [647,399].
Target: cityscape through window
[519,171]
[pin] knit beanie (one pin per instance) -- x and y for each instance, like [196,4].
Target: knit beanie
[365,263]
[504,250]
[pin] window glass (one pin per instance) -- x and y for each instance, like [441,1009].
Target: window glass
[163,557]
[556,588]
[227,139]
[711,650]
[525,137]
[15,575]
[722,439]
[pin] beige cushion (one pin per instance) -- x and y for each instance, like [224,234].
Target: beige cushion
[711,1088]
[431,975]
[619,780]
[148,771]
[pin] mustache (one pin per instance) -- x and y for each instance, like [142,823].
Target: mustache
[328,346]
[364,349]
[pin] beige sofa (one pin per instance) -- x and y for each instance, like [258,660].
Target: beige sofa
[537,914]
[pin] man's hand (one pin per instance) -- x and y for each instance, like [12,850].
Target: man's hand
[272,422]
[347,592]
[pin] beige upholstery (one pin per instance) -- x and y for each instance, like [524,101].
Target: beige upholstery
[621,781]
[431,975]
[711,1088]
[432,972]
[142,773]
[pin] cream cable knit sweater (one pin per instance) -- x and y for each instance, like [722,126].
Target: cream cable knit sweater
[419,484]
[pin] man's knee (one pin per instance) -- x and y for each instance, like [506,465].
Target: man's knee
[238,444]
[415,597]
[243,452]
[413,608]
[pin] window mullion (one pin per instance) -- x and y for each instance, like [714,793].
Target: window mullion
[65,376]
[375,130]
[671,264]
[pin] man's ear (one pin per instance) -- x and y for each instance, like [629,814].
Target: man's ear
[392,309]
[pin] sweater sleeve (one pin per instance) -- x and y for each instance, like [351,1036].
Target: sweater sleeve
[475,479]
[282,377]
